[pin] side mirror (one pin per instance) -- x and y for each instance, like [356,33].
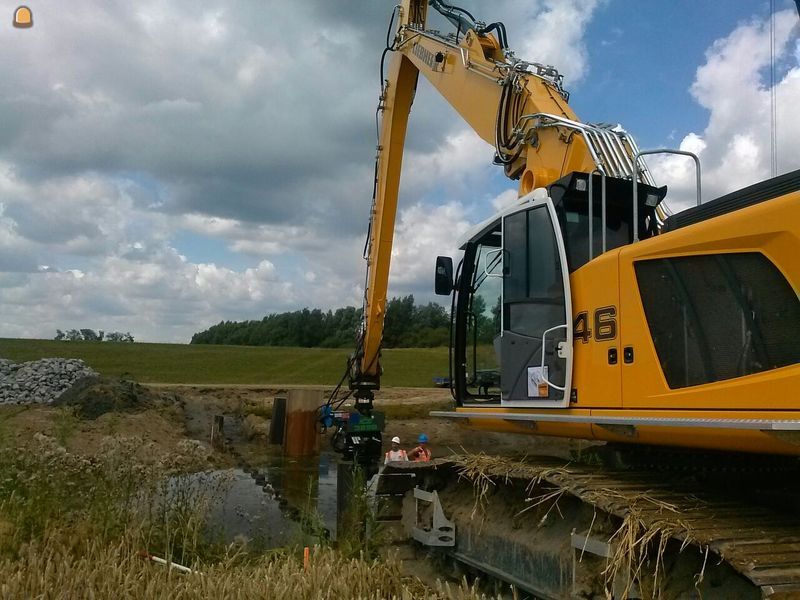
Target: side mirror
[443,282]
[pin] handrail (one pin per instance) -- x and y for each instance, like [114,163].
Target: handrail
[602,210]
[544,337]
[635,177]
[606,146]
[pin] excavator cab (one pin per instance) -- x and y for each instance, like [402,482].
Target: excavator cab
[512,307]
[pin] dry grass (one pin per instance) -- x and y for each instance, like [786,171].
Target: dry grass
[75,526]
[484,470]
[50,568]
[258,407]
[641,542]
[638,544]
[129,484]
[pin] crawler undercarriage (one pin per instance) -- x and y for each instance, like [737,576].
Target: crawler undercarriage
[553,528]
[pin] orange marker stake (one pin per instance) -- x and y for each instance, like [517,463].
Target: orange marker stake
[306,557]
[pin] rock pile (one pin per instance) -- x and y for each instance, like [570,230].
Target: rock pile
[39,381]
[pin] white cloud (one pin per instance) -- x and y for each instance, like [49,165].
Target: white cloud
[422,233]
[553,34]
[163,299]
[139,122]
[733,84]
[129,277]
[504,199]
[454,166]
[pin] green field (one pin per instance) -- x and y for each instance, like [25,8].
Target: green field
[199,364]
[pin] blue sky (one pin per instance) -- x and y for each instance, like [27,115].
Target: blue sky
[643,59]
[167,166]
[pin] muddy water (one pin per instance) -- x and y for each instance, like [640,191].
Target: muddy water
[265,503]
[269,494]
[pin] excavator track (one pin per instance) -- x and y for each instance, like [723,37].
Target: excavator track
[558,529]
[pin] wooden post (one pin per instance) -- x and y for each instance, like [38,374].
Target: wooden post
[301,437]
[217,435]
[277,425]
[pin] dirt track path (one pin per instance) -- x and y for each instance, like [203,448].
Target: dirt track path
[394,395]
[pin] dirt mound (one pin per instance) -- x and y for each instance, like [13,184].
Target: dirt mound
[255,427]
[95,396]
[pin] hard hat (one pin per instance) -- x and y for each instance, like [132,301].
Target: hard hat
[422,439]
[395,440]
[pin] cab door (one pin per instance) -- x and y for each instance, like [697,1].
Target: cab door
[536,335]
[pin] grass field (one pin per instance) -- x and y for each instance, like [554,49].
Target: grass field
[197,364]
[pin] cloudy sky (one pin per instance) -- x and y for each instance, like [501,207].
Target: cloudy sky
[165,166]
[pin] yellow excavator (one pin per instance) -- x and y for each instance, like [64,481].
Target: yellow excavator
[587,310]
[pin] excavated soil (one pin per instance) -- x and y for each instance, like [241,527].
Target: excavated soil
[406,409]
[167,413]
[92,397]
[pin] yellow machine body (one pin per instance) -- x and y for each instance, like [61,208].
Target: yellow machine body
[620,401]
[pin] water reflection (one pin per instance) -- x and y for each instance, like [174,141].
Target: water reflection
[245,511]
[264,504]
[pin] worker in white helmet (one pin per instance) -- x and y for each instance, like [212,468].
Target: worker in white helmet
[396,453]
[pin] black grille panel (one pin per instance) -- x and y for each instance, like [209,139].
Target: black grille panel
[719,316]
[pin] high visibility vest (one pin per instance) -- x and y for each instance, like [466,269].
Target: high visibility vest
[421,454]
[400,455]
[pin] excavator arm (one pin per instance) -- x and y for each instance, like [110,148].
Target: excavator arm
[520,108]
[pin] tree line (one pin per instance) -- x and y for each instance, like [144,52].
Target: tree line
[90,335]
[407,325]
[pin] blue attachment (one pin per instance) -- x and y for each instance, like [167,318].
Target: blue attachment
[422,439]
[326,416]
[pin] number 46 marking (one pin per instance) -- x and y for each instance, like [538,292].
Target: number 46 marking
[605,325]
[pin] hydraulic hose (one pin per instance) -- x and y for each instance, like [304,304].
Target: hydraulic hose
[501,33]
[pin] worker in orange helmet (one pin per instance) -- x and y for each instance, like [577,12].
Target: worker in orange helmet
[396,453]
[421,453]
